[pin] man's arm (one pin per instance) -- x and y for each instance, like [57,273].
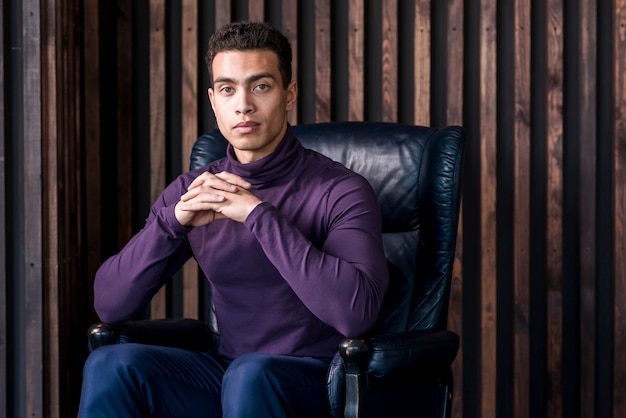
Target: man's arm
[127,281]
[344,282]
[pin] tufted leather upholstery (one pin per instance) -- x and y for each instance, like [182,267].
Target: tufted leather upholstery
[403,363]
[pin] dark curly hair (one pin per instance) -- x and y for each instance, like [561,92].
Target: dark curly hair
[242,36]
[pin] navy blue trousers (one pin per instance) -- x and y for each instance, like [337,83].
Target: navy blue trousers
[135,380]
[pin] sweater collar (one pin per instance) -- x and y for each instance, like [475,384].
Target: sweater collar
[270,167]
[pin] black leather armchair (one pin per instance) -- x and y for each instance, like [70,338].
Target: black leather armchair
[401,367]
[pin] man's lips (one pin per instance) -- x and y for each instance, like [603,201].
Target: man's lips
[246,127]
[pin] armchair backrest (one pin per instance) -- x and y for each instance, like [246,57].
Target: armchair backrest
[415,172]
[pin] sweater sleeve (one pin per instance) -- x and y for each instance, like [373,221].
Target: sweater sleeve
[127,281]
[342,283]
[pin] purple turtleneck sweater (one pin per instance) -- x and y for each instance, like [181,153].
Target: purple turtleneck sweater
[305,269]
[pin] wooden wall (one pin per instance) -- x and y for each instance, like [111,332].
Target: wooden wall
[102,100]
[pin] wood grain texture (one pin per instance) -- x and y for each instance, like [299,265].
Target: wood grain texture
[93,181]
[157,122]
[32,261]
[619,208]
[488,181]
[422,62]
[51,216]
[454,70]
[124,120]
[521,210]
[222,12]
[4,381]
[256,11]
[390,61]
[554,203]
[290,30]
[323,63]
[587,129]
[356,59]
[454,116]
[189,134]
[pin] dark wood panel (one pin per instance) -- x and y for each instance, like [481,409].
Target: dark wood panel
[256,10]
[323,62]
[554,202]
[158,98]
[93,128]
[521,241]
[124,117]
[422,62]
[356,59]
[189,133]
[488,176]
[455,60]
[587,131]
[389,50]
[32,206]
[290,29]
[222,12]
[4,280]
[51,307]
[455,53]
[619,210]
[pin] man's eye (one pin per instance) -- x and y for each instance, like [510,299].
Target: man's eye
[226,90]
[261,87]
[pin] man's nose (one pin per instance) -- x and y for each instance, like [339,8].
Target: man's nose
[244,103]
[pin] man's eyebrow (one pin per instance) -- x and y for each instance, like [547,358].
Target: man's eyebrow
[250,79]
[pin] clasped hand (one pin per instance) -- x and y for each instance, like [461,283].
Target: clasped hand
[215,196]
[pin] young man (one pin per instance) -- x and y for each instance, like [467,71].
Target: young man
[289,241]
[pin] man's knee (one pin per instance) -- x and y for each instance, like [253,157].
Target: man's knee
[111,360]
[250,369]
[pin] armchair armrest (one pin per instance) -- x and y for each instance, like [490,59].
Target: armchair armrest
[409,350]
[190,334]
[386,360]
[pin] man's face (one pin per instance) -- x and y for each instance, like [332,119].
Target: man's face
[250,102]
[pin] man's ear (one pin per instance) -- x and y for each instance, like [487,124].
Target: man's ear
[210,94]
[292,94]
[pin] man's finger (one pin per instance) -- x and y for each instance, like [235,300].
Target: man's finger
[233,179]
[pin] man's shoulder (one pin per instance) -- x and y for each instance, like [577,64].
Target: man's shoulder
[314,157]
[330,171]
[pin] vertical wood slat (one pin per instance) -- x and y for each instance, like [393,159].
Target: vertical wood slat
[124,120]
[422,62]
[32,204]
[322,61]
[390,61]
[52,354]
[189,127]
[356,59]
[455,53]
[256,11]
[619,208]
[3,235]
[158,99]
[488,178]
[587,157]
[521,211]
[74,295]
[290,30]
[454,116]
[554,202]
[93,127]
[222,13]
